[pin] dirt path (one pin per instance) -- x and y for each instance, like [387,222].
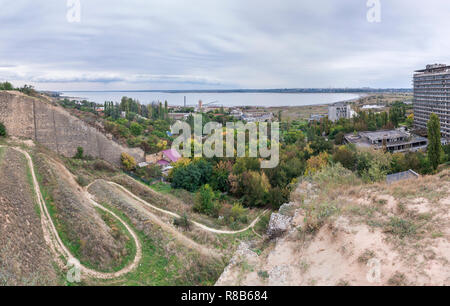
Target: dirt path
[58,248]
[202,226]
[183,239]
[62,254]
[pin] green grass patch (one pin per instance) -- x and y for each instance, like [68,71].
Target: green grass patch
[119,230]
[262,224]
[162,187]
[157,268]
[401,227]
[37,209]
[74,246]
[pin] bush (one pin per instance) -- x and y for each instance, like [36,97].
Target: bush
[128,162]
[6,86]
[183,222]
[101,165]
[239,213]
[150,172]
[316,163]
[205,201]
[82,181]
[339,138]
[256,188]
[79,154]
[346,157]
[136,129]
[192,175]
[2,130]
[278,197]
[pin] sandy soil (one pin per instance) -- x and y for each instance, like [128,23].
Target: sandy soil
[347,251]
[24,257]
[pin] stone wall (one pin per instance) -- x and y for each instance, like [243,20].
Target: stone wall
[55,128]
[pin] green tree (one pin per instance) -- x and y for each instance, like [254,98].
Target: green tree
[6,86]
[346,157]
[192,175]
[2,130]
[205,201]
[136,129]
[256,188]
[80,153]
[434,141]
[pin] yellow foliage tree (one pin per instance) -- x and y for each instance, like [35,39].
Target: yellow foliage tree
[128,161]
[316,163]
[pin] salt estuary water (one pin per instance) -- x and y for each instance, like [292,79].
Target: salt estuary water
[225,99]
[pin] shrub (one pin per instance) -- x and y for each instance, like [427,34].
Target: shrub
[400,227]
[79,154]
[101,165]
[345,156]
[128,162]
[278,196]
[339,138]
[263,274]
[2,130]
[192,175]
[6,86]
[183,222]
[136,129]
[82,181]
[150,172]
[256,188]
[316,163]
[239,213]
[205,201]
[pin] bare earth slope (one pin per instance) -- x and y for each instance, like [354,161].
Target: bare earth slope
[90,238]
[24,255]
[58,130]
[343,233]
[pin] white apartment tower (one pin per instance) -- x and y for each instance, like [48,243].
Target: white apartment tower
[432,95]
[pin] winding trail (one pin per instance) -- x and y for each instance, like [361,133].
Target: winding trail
[202,226]
[63,255]
[58,248]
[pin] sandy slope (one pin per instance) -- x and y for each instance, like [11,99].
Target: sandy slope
[358,246]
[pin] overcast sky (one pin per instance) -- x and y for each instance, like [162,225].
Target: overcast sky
[209,44]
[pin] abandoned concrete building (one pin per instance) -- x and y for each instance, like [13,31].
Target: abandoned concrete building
[340,110]
[393,140]
[432,95]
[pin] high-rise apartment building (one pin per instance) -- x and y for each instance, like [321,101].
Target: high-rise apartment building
[432,95]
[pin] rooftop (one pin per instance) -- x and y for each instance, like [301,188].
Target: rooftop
[380,135]
[434,68]
[172,154]
[410,174]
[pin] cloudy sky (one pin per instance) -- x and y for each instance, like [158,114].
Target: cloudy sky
[211,44]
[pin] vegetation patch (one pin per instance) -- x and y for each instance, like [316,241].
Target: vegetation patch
[401,227]
[79,226]
[164,262]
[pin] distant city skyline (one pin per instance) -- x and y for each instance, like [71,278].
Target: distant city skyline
[214,45]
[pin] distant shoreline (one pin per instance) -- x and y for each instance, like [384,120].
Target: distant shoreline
[285,90]
[241,100]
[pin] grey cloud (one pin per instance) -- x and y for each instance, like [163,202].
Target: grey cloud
[220,44]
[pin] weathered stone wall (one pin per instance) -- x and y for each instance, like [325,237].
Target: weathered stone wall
[16,115]
[55,128]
